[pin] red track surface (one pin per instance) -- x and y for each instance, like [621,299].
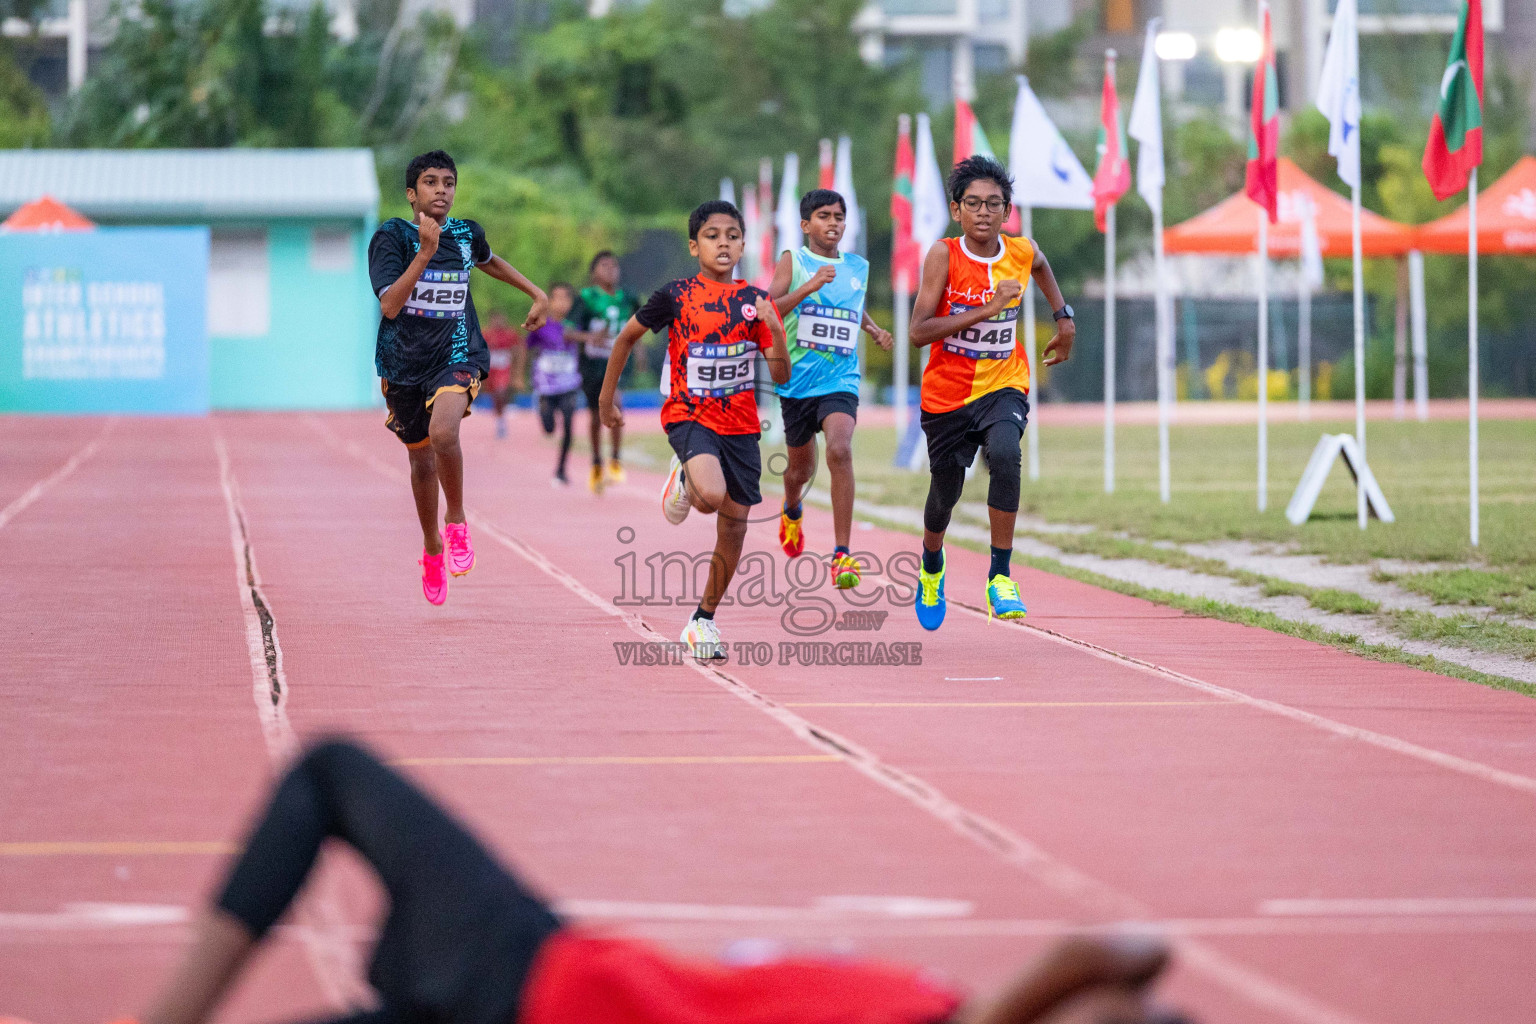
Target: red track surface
[1112,760]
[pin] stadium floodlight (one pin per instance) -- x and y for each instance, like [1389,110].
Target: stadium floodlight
[1239,46]
[1175,46]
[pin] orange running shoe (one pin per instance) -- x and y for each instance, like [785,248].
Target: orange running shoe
[845,571]
[791,537]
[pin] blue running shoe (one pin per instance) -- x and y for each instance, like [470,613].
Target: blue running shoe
[930,595]
[1003,599]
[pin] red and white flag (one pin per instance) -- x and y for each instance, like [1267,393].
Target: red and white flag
[828,171]
[1112,178]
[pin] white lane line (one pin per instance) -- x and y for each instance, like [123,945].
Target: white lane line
[1406,906]
[333,958]
[73,916]
[825,908]
[1012,848]
[37,490]
[1465,766]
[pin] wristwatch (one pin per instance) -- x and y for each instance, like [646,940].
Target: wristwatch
[1064,313]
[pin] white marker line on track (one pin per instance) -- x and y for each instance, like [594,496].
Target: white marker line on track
[333,957]
[973,679]
[1409,906]
[1465,766]
[1014,849]
[37,490]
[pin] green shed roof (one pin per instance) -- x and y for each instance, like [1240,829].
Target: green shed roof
[194,183]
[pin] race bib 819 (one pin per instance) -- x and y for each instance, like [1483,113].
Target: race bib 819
[993,338]
[439,294]
[715,371]
[827,328]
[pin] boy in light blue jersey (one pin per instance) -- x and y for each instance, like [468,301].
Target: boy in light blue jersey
[820,294]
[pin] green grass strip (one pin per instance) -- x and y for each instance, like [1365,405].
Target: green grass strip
[1210,609]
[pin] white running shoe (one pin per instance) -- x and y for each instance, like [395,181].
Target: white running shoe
[674,497]
[703,639]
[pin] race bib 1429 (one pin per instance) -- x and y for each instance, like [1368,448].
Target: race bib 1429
[439,294]
[991,339]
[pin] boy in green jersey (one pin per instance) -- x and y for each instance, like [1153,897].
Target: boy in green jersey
[600,311]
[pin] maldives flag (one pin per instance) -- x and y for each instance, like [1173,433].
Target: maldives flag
[1262,181]
[1456,135]
[906,261]
[970,141]
[1112,178]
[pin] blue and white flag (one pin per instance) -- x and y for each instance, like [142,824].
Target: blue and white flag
[1338,93]
[1046,173]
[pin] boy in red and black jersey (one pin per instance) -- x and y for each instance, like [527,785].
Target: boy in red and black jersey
[715,327]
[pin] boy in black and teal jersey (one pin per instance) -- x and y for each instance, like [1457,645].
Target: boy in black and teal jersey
[430,354]
[601,310]
[820,293]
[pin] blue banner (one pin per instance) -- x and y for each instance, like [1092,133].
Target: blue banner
[110,320]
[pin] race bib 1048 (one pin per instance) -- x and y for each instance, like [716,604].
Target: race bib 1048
[440,294]
[827,328]
[991,339]
[715,371]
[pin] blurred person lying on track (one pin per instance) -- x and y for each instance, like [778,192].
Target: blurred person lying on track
[467,943]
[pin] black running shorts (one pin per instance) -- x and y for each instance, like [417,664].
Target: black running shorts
[741,458]
[803,416]
[955,436]
[410,405]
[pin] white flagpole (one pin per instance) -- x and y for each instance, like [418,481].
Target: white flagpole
[1032,435]
[1304,350]
[1472,383]
[1109,350]
[903,354]
[1263,358]
[1163,346]
[1359,282]
[1417,314]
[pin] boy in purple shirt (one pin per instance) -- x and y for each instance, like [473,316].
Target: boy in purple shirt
[556,374]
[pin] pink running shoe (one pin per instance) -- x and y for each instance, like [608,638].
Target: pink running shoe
[461,553]
[434,581]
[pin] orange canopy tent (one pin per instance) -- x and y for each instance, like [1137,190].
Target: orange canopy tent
[1231,227]
[1506,218]
[46,214]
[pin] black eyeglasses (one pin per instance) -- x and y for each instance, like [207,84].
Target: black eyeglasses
[993,205]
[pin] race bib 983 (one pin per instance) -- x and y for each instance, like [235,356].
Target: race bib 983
[993,338]
[827,328]
[715,371]
[439,294]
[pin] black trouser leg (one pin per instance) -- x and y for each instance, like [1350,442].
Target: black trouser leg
[461,931]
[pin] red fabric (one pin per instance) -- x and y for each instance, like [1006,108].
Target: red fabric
[1261,179]
[1230,229]
[711,314]
[827,173]
[1449,172]
[584,978]
[906,259]
[1506,218]
[965,136]
[46,214]
[1112,178]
